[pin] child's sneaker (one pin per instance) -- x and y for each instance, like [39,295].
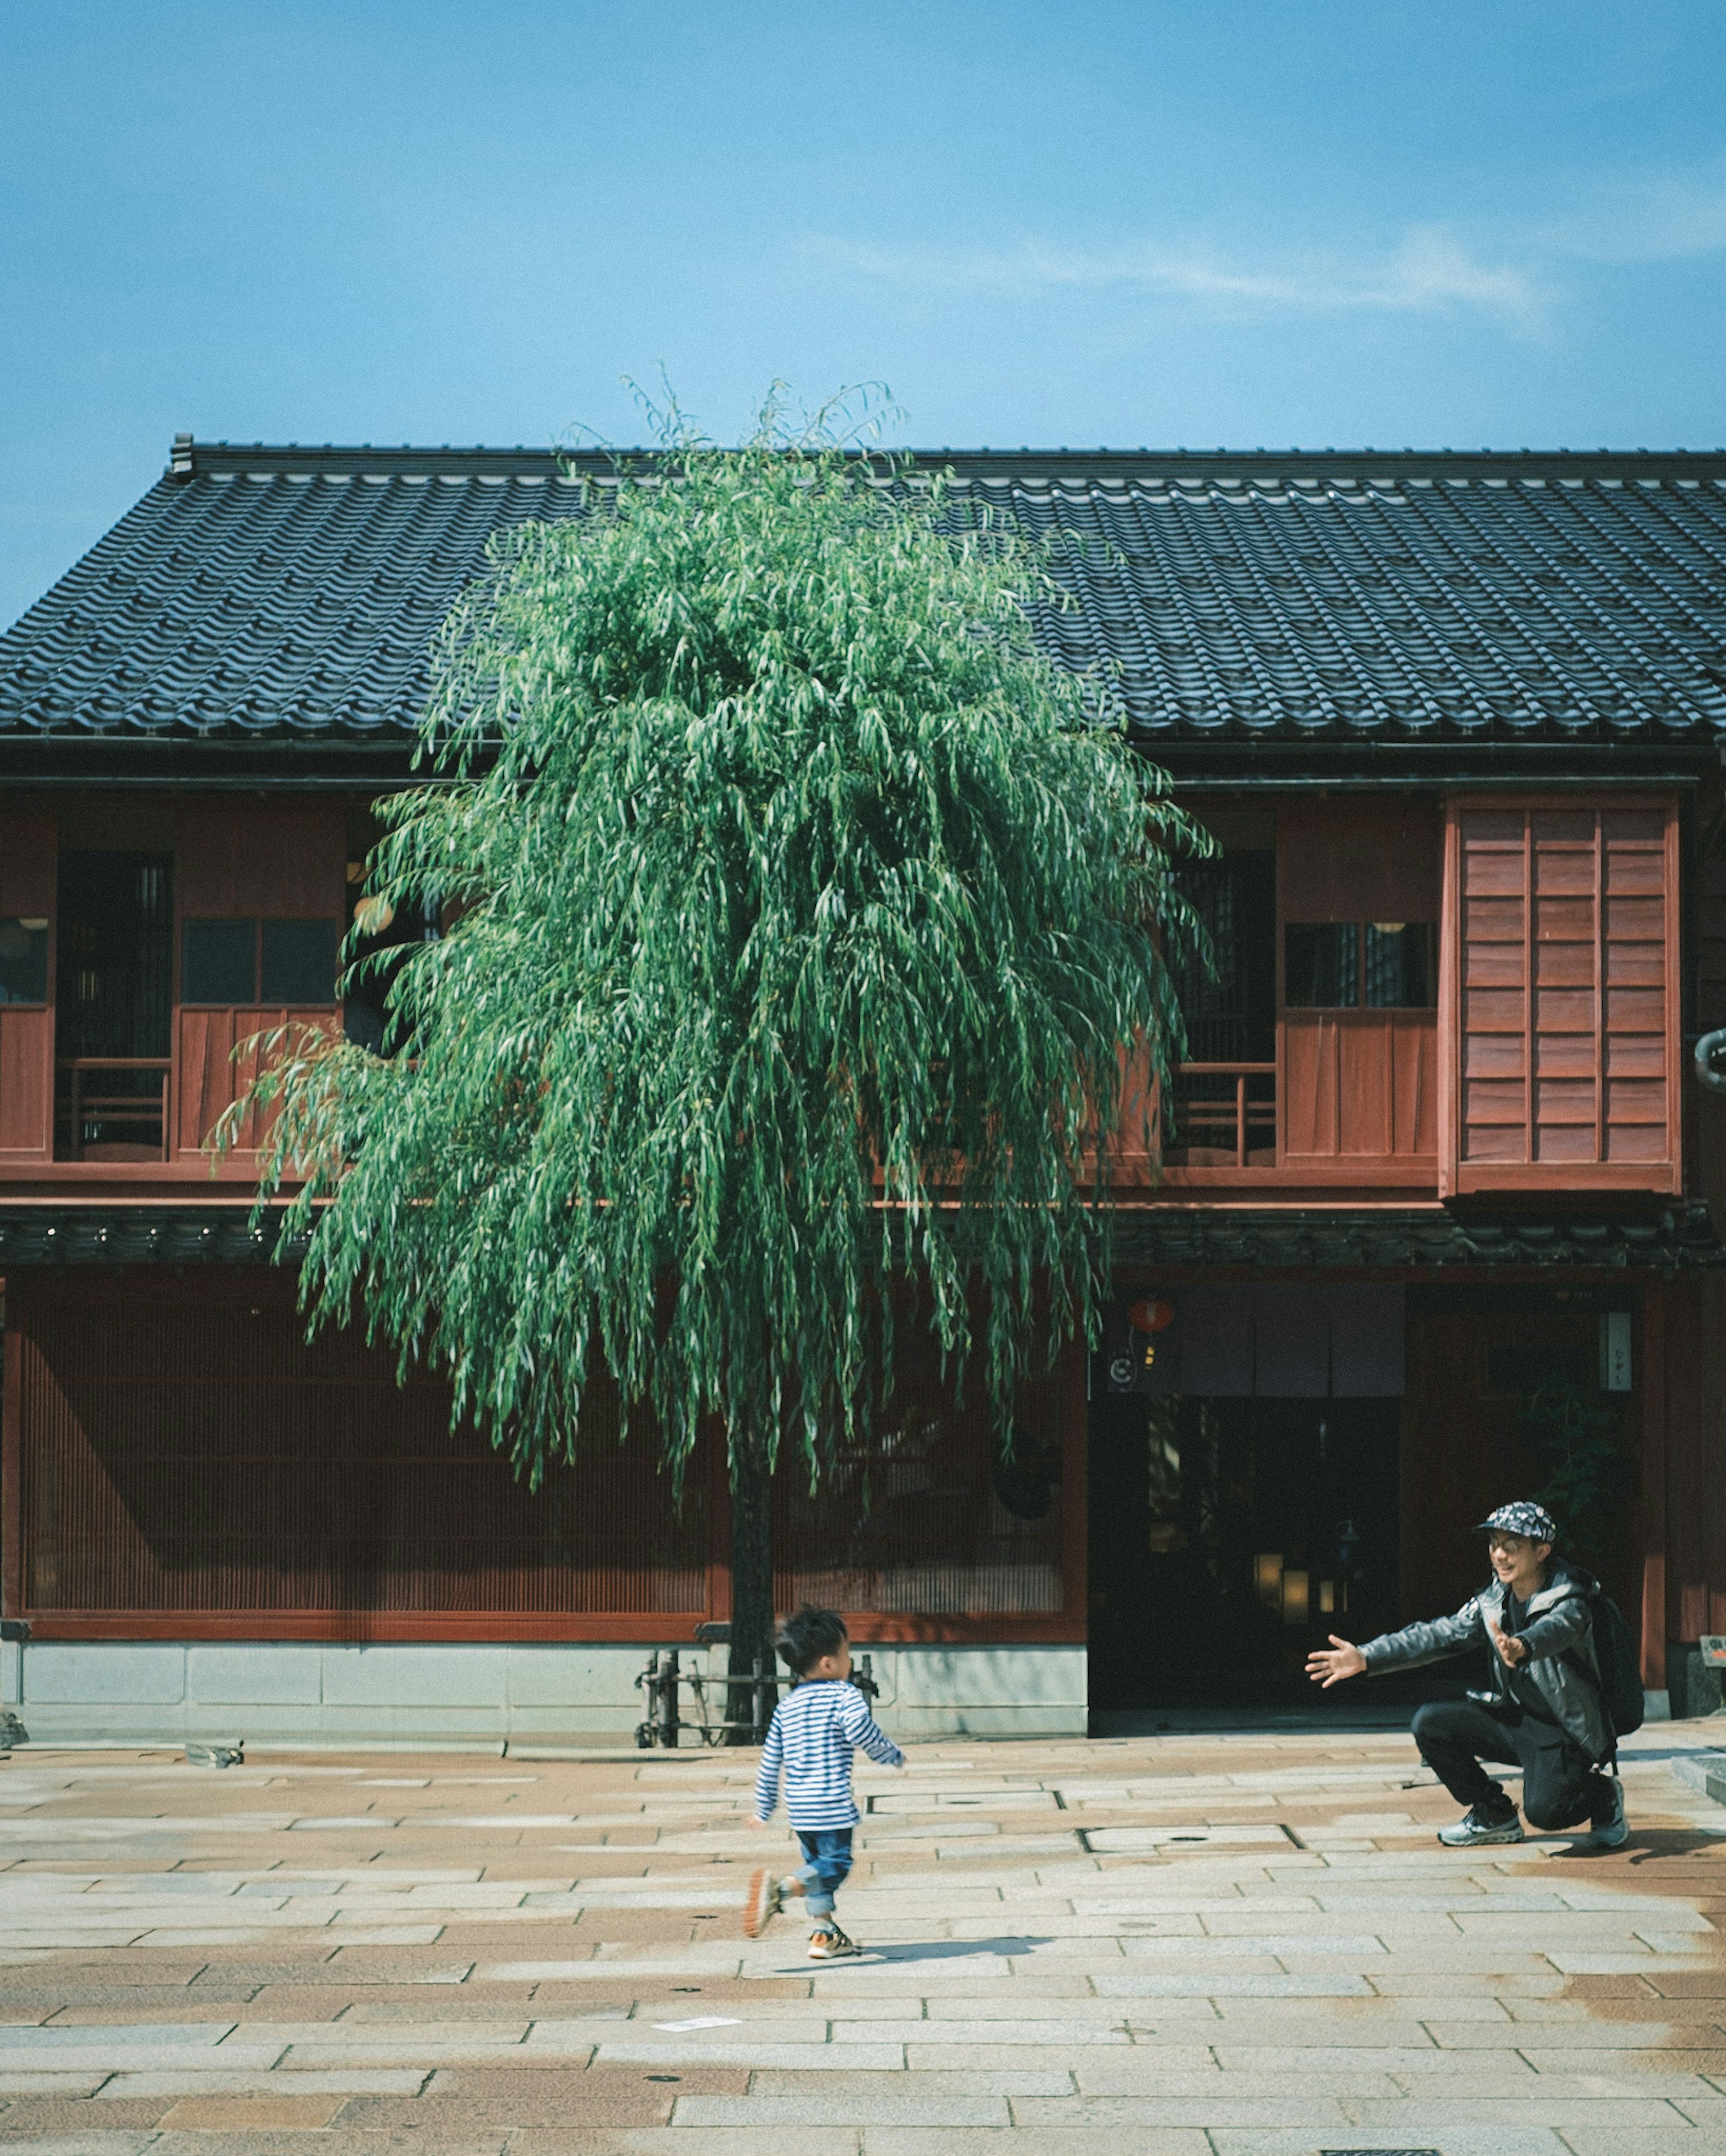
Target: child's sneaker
[765,1898]
[1479,1825]
[830,1944]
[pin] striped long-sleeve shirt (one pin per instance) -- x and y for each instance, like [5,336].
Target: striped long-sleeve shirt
[813,1733]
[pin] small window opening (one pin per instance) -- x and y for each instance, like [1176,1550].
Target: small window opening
[1353,965]
[24,960]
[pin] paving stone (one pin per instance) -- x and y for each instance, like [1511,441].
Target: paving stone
[1034,2141]
[407,2081]
[579,2100]
[267,2141]
[76,2142]
[1265,1992]
[673,2140]
[1512,2140]
[1209,2110]
[899,2103]
[1677,2140]
[240,2115]
[61,2110]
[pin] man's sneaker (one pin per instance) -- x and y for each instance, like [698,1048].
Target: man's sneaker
[830,1944]
[1613,1833]
[1476,1826]
[766,1897]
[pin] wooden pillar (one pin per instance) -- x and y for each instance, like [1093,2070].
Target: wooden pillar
[1654,1503]
[11,1463]
[1711,1297]
[1075,1480]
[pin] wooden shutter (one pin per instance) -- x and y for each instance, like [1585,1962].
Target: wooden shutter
[256,860]
[28,863]
[1558,1045]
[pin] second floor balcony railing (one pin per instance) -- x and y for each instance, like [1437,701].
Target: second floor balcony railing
[1225,1116]
[113,1108]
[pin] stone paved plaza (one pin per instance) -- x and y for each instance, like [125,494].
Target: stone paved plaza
[1233,1944]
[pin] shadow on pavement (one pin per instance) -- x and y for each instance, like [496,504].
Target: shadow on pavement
[958,1950]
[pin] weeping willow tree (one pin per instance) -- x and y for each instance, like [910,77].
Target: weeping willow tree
[799,910]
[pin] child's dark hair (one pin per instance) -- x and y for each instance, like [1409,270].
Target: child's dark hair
[804,1638]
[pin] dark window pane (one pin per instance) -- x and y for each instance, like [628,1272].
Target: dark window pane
[217,961]
[114,953]
[1232,1016]
[23,961]
[1322,961]
[1400,970]
[300,960]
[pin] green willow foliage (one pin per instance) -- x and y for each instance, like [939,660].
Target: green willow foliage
[800,908]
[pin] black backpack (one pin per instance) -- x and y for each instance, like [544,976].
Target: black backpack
[1619,1683]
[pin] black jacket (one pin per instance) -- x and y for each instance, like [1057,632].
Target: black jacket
[1560,1621]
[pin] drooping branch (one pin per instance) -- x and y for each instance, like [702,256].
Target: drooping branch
[800,908]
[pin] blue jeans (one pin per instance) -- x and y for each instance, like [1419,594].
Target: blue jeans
[826,1862]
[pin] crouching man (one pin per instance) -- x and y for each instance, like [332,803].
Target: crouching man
[1543,1713]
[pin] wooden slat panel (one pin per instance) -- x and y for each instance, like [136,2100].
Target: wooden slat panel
[181,1463]
[1360,1085]
[207,1077]
[240,857]
[1415,1119]
[184,1453]
[1309,1091]
[1364,1085]
[1577,958]
[28,861]
[26,1084]
[1362,857]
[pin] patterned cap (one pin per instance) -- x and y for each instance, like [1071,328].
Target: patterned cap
[1521,1518]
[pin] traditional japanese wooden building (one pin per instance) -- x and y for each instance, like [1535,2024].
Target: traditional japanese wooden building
[1437,1210]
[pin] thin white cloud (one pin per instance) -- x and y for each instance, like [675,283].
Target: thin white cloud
[1610,219]
[1639,217]
[1429,272]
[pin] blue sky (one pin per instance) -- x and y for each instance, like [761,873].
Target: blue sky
[1176,222]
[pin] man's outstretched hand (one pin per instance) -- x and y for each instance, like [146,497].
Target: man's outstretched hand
[1329,1665]
[1510,1650]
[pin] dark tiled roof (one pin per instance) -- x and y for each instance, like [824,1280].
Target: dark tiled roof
[1426,1239]
[1667,1242]
[1356,596]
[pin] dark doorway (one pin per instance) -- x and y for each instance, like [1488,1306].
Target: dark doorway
[1224,1107]
[1228,1537]
[115,1003]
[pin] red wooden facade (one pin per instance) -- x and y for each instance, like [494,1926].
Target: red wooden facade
[1546,1058]
[245,866]
[178,1462]
[181,1463]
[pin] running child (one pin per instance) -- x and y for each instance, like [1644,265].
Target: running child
[815,1729]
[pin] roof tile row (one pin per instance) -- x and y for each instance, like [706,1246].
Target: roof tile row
[269,592]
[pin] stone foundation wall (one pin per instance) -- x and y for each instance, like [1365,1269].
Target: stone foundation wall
[167,1691]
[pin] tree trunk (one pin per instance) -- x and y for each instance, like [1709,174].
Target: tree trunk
[752,1572]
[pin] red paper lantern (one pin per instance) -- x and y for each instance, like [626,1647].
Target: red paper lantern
[1150,1314]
